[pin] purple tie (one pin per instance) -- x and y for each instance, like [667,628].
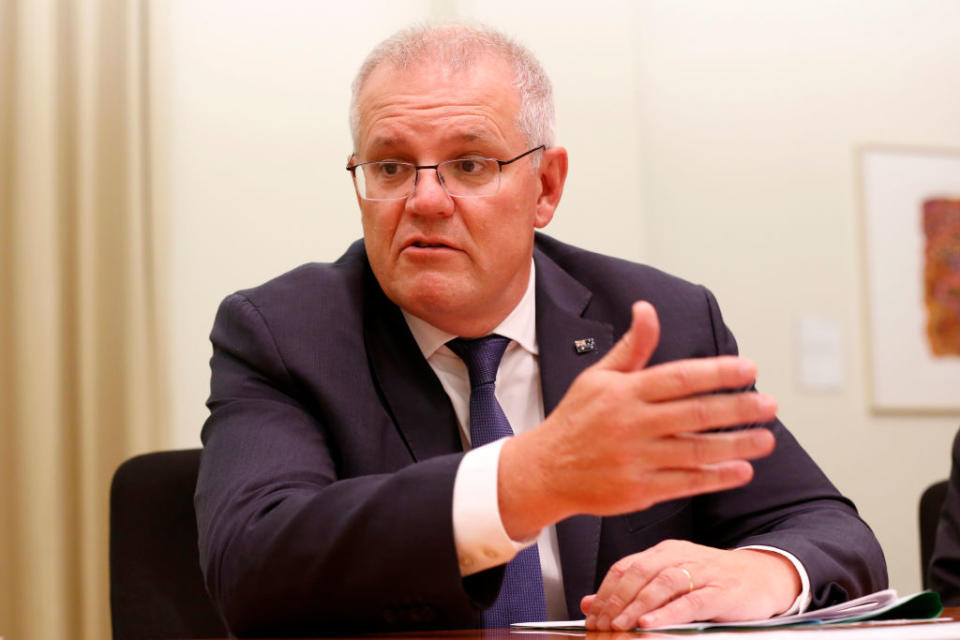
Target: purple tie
[521,594]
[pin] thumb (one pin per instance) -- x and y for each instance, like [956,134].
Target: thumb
[637,344]
[586,602]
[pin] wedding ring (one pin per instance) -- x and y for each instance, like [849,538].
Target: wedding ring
[689,577]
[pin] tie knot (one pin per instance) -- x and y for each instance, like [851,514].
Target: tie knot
[482,357]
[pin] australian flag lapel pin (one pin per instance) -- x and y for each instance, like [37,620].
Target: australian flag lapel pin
[584,345]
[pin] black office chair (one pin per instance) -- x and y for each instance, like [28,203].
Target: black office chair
[156,587]
[931,503]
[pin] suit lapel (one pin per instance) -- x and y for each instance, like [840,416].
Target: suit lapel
[561,302]
[410,390]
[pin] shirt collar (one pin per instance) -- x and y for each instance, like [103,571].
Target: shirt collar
[520,325]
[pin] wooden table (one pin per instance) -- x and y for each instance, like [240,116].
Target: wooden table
[508,634]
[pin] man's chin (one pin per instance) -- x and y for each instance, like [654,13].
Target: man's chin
[447,308]
[438,310]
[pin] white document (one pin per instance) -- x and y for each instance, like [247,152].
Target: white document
[886,630]
[864,608]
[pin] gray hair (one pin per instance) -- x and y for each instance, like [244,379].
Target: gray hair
[457,46]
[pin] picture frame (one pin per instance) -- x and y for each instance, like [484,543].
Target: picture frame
[911,264]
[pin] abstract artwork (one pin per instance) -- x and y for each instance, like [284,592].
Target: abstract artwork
[911,231]
[941,228]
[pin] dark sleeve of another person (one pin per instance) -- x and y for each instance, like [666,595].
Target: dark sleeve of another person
[945,563]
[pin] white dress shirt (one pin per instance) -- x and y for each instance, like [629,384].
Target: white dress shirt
[480,538]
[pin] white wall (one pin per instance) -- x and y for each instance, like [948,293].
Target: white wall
[752,113]
[251,140]
[715,139]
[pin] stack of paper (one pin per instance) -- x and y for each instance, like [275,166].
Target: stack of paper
[882,605]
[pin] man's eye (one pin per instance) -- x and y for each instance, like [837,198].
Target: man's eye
[391,171]
[470,166]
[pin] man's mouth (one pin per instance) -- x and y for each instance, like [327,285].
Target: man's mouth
[430,245]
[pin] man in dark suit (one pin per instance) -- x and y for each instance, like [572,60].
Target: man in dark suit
[335,491]
[945,561]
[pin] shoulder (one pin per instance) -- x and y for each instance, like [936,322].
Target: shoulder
[618,278]
[311,295]
[328,278]
[689,315]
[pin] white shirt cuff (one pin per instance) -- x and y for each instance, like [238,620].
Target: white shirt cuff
[478,533]
[803,600]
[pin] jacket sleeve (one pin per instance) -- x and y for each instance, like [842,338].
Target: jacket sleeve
[791,505]
[287,546]
[944,573]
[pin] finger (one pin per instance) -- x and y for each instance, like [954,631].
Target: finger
[700,604]
[651,561]
[683,378]
[615,595]
[709,412]
[694,450]
[667,585]
[636,346]
[681,483]
[627,568]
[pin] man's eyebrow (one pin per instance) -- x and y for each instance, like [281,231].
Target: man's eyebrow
[477,135]
[386,142]
[392,142]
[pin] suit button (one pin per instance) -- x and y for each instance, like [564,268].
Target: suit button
[466,561]
[491,553]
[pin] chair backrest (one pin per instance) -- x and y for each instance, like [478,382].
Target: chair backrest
[931,503]
[156,586]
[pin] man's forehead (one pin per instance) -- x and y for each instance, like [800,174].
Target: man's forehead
[462,105]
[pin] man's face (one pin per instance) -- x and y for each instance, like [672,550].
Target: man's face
[461,264]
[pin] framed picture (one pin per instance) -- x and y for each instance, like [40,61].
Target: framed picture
[911,231]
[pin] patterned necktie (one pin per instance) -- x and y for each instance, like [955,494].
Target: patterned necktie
[521,594]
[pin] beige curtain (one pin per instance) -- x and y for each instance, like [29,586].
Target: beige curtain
[80,352]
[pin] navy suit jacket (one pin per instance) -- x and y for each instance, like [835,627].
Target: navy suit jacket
[325,489]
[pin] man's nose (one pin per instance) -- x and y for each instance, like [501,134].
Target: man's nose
[429,197]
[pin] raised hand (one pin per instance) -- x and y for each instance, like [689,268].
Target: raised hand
[625,437]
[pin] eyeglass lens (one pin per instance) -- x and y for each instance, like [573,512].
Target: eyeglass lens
[463,177]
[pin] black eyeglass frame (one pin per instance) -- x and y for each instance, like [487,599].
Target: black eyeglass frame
[416,176]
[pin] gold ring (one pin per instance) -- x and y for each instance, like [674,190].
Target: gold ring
[689,577]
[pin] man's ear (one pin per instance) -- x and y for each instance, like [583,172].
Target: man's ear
[552,173]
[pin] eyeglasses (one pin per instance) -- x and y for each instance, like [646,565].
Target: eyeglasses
[469,177]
